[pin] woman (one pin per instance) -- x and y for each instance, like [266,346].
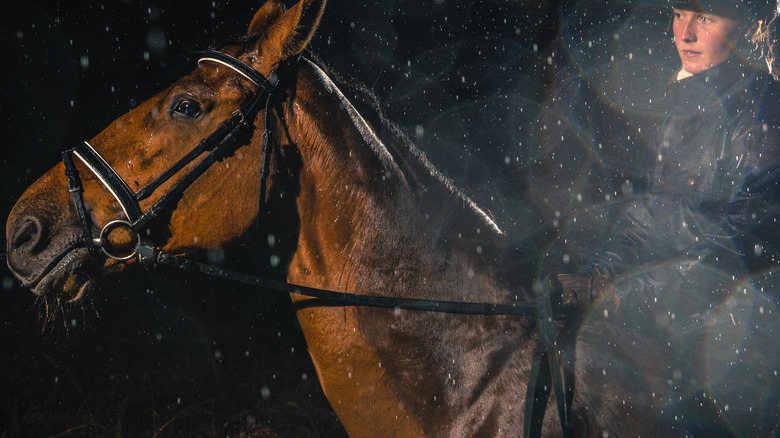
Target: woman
[714,194]
[682,298]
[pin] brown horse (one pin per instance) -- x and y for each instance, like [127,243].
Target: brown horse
[326,203]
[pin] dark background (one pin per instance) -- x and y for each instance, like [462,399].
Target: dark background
[534,108]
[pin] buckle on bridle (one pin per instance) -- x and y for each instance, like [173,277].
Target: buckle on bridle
[242,119]
[108,249]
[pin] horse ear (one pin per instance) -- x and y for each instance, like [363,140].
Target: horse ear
[293,31]
[270,11]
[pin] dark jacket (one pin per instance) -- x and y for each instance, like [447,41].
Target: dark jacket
[714,182]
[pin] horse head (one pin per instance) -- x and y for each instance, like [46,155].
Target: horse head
[45,247]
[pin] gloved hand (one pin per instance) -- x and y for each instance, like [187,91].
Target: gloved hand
[579,291]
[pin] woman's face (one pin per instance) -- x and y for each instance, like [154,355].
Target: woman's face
[703,40]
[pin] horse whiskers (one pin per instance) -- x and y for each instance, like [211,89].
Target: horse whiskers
[56,310]
[50,307]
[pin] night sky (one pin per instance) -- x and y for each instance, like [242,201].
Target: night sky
[533,108]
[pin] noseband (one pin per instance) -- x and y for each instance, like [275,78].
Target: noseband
[546,368]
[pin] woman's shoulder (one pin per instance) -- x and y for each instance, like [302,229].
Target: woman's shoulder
[765,98]
[766,89]
[755,91]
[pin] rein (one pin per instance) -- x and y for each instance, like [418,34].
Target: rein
[546,368]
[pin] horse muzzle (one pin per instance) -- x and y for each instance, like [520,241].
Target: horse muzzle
[39,254]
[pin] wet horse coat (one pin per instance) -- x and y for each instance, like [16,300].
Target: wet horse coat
[346,211]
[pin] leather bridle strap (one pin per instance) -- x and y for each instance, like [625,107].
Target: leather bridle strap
[153,255]
[546,375]
[75,189]
[219,142]
[226,130]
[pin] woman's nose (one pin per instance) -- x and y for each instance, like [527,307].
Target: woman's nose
[689,32]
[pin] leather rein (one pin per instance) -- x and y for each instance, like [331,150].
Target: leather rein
[546,369]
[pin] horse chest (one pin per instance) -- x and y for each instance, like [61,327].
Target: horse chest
[352,375]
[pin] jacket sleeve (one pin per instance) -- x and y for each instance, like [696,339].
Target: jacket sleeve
[622,252]
[752,217]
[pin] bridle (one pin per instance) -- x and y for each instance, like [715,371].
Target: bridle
[546,369]
[218,145]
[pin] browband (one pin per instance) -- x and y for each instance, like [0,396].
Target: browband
[233,63]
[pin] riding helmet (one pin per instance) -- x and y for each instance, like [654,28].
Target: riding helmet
[746,10]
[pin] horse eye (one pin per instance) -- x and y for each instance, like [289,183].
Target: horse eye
[188,108]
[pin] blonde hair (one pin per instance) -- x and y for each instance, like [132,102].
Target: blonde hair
[761,37]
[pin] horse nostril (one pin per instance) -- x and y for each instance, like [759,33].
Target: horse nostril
[28,235]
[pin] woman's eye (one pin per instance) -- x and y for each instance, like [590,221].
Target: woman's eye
[188,108]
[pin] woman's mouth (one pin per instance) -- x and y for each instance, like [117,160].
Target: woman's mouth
[690,54]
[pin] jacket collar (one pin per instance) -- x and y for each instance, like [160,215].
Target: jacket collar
[711,85]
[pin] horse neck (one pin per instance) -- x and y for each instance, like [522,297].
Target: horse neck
[347,181]
[358,208]
[362,229]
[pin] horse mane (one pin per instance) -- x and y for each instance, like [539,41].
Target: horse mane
[425,180]
[450,212]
